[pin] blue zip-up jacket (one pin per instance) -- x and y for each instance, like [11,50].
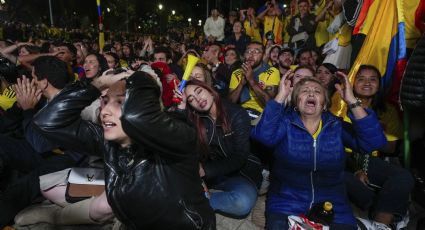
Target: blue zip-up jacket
[308,171]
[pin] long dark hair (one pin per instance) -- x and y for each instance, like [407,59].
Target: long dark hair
[378,100]
[194,116]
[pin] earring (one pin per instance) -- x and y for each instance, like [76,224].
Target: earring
[295,109]
[324,109]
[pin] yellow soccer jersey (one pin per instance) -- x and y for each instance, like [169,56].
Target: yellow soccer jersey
[271,77]
[252,32]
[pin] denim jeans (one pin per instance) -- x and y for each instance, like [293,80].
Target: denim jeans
[278,221]
[236,198]
[393,196]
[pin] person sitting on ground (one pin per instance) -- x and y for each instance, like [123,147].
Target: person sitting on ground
[238,38]
[227,165]
[285,60]
[147,152]
[309,152]
[375,183]
[255,82]
[326,74]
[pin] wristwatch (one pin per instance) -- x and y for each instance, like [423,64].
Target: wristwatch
[355,104]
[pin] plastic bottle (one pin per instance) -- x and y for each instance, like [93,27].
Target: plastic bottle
[321,213]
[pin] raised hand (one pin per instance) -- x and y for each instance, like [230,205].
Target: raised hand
[179,97]
[345,89]
[285,88]
[108,78]
[248,72]
[27,94]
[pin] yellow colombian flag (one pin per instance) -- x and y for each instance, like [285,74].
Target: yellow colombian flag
[381,25]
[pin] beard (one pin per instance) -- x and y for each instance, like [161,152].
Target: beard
[284,65]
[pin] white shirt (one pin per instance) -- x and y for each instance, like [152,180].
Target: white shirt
[214,28]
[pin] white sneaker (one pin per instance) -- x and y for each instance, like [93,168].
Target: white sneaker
[404,222]
[379,226]
[372,225]
[265,183]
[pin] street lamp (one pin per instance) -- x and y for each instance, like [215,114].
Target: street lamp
[284,5]
[160,6]
[173,12]
[199,22]
[189,20]
[107,9]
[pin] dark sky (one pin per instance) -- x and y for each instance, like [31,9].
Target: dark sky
[75,12]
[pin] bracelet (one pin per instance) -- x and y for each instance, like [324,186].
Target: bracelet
[365,163]
[355,104]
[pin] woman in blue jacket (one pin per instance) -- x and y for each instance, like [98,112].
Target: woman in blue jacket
[309,150]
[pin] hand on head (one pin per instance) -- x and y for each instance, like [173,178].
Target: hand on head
[108,78]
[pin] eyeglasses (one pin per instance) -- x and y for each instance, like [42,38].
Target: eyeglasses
[253,51]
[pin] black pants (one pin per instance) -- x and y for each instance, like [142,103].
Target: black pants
[17,154]
[392,197]
[27,188]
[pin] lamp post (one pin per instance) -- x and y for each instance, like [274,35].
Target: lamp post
[173,12]
[189,20]
[51,13]
[160,6]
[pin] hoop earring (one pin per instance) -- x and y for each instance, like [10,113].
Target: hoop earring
[295,109]
[325,109]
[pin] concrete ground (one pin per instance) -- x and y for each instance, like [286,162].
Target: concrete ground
[224,223]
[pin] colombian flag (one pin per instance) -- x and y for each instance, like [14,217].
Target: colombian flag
[101,34]
[389,25]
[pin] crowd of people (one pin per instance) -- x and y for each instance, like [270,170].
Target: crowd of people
[254,118]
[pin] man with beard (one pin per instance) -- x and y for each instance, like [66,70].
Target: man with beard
[286,59]
[255,82]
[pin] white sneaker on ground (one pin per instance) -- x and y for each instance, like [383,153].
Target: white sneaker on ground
[372,225]
[265,183]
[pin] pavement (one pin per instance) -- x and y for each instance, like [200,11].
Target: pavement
[255,221]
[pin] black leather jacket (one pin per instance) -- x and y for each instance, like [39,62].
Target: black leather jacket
[230,152]
[155,183]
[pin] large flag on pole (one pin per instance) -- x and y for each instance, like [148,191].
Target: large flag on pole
[384,24]
[101,34]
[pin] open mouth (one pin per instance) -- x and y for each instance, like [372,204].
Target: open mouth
[311,102]
[107,125]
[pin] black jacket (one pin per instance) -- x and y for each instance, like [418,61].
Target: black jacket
[229,153]
[155,183]
[413,83]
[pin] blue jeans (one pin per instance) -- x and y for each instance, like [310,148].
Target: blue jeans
[278,221]
[236,198]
